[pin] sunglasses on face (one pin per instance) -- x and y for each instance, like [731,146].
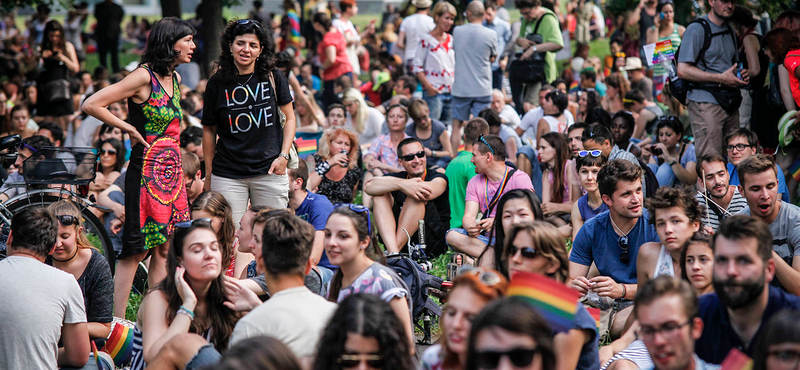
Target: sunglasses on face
[350,361]
[488,278]
[593,153]
[68,220]
[519,357]
[108,152]
[188,224]
[527,252]
[410,157]
[623,244]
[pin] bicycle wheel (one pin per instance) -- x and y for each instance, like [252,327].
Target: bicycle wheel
[93,227]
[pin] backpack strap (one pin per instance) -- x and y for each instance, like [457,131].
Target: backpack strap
[539,22]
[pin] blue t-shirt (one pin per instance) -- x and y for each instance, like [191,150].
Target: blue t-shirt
[718,336]
[598,242]
[316,209]
[782,188]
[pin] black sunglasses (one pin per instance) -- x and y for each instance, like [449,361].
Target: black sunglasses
[247,22]
[410,157]
[68,220]
[527,252]
[349,361]
[623,244]
[188,224]
[108,151]
[519,357]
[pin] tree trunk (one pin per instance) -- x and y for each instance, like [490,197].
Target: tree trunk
[171,8]
[211,31]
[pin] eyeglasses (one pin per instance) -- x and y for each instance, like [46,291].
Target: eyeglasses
[68,220]
[247,22]
[188,224]
[108,152]
[623,244]
[190,184]
[485,142]
[519,357]
[593,153]
[349,361]
[488,278]
[410,157]
[788,358]
[667,330]
[22,145]
[527,252]
[738,147]
[360,209]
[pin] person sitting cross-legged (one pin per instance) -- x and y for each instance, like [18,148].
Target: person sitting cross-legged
[402,199]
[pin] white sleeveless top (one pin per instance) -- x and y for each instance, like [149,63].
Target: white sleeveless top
[664,265]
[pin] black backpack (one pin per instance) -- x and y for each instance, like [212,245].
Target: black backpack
[679,87]
[418,281]
[651,181]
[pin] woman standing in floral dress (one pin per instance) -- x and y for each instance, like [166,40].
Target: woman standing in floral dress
[155,195]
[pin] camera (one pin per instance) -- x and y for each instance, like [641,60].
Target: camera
[656,150]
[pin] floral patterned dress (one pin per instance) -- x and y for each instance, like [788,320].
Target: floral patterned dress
[155,195]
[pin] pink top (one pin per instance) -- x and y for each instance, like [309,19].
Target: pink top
[476,188]
[341,65]
[565,180]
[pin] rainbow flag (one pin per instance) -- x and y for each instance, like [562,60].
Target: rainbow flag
[663,48]
[294,22]
[794,169]
[305,147]
[736,360]
[120,343]
[595,312]
[553,300]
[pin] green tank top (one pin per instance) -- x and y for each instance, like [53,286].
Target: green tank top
[675,38]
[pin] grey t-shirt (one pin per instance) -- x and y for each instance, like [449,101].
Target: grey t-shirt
[474,45]
[717,59]
[645,85]
[785,231]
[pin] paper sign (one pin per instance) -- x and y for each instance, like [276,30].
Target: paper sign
[659,50]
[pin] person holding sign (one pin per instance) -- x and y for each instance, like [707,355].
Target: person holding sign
[664,29]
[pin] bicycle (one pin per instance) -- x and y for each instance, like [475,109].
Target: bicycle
[71,168]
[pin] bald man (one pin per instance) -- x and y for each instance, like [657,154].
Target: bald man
[476,49]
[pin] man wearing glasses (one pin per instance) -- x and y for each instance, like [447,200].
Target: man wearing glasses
[742,143]
[667,312]
[402,199]
[743,299]
[611,241]
[26,149]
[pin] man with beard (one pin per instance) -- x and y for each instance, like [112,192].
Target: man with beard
[742,300]
[402,199]
[611,241]
[759,185]
[667,311]
[720,198]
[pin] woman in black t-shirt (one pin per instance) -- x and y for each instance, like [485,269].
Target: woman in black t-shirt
[248,161]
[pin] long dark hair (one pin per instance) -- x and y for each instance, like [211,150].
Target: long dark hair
[500,234]
[159,54]
[221,319]
[53,26]
[362,227]
[783,327]
[228,73]
[121,152]
[559,143]
[369,316]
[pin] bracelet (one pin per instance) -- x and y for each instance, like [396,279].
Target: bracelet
[323,168]
[186,311]
[624,291]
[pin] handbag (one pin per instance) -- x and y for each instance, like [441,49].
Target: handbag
[530,70]
[56,91]
[294,160]
[729,99]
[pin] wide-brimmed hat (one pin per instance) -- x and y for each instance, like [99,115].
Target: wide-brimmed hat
[421,3]
[632,63]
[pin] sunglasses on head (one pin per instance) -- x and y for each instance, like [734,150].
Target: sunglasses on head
[247,22]
[527,252]
[623,244]
[188,224]
[593,153]
[349,361]
[488,278]
[22,145]
[519,357]
[360,209]
[68,220]
[410,157]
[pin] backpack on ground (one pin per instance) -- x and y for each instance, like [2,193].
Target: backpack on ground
[418,281]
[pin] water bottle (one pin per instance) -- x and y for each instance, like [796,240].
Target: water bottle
[422,235]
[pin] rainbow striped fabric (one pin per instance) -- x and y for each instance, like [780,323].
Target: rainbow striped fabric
[120,342]
[553,300]
[794,169]
[305,147]
[736,360]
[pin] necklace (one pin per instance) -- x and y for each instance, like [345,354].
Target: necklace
[68,259]
[248,79]
[617,227]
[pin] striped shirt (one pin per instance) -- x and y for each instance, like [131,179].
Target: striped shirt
[714,218]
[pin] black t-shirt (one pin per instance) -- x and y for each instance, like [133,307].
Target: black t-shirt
[437,214]
[248,123]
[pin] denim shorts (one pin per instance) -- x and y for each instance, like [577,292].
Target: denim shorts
[483,238]
[463,107]
[206,355]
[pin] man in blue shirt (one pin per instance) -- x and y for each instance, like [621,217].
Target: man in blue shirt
[743,300]
[503,30]
[315,209]
[742,143]
[611,241]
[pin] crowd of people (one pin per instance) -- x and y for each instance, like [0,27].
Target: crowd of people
[264,188]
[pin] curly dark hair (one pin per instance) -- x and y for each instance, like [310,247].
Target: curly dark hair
[228,73]
[159,54]
[683,198]
[371,317]
[221,319]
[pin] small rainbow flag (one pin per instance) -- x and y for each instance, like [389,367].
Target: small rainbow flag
[595,312]
[305,147]
[736,360]
[794,169]
[555,301]
[120,343]
[664,49]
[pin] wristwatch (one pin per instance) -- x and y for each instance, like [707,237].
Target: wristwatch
[535,48]
[674,160]
[284,155]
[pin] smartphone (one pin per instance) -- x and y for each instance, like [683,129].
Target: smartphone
[661,15]
[739,68]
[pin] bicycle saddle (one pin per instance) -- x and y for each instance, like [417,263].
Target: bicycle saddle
[8,142]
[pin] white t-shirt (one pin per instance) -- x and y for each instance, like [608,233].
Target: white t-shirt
[510,116]
[83,136]
[37,300]
[437,60]
[372,127]
[530,124]
[295,316]
[350,33]
[415,26]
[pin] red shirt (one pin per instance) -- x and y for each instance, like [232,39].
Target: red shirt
[791,62]
[341,65]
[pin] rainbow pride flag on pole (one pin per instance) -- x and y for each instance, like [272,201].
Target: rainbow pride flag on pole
[305,147]
[736,360]
[556,302]
[120,342]
[794,169]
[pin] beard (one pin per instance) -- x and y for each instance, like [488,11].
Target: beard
[750,290]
